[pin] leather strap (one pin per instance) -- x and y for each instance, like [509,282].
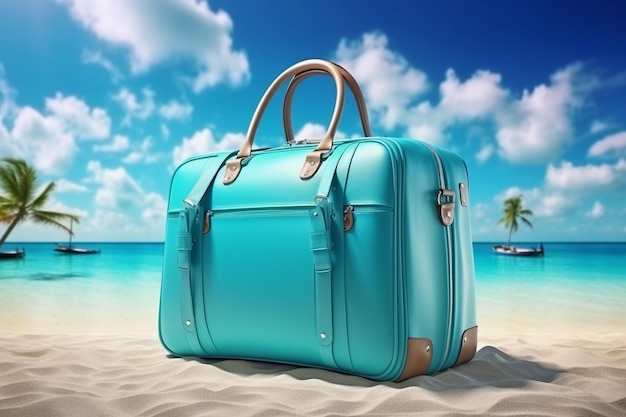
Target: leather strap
[189,227]
[185,245]
[341,346]
[323,243]
[214,163]
[332,161]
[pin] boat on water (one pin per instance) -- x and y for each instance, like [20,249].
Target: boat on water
[72,250]
[12,254]
[515,251]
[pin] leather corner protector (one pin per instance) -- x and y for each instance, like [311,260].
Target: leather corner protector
[469,342]
[419,355]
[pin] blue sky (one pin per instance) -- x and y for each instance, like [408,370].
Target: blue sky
[107,97]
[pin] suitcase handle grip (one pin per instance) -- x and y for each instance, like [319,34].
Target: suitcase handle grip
[313,159]
[352,84]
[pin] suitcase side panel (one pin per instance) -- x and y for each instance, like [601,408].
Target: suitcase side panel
[464,312]
[426,253]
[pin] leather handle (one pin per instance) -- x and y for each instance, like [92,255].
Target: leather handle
[314,159]
[352,84]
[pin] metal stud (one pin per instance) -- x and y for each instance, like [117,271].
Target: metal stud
[428,348]
[188,322]
[323,335]
[465,339]
[315,213]
[311,162]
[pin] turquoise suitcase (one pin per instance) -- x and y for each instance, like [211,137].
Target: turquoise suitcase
[348,255]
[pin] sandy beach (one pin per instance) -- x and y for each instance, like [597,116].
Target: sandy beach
[549,372]
[113,375]
[89,347]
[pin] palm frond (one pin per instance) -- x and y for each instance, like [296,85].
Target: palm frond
[42,198]
[18,201]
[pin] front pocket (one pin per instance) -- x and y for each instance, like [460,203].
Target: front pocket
[258,285]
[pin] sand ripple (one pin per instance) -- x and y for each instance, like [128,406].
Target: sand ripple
[83,375]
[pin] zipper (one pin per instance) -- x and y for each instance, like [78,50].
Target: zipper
[443,188]
[237,212]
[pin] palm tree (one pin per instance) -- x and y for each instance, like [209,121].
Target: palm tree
[514,210]
[21,200]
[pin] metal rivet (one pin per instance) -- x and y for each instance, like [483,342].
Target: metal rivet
[465,339]
[428,348]
[188,322]
[315,213]
[311,162]
[449,214]
[323,335]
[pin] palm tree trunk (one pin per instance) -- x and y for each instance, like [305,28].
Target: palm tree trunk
[12,225]
[508,241]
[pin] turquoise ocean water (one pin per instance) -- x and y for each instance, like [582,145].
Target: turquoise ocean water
[578,283]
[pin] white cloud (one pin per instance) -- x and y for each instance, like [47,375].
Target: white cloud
[588,177]
[203,142]
[133,158]
[118,200]
[598,126]
[8,146]
[596,211]
[537,127]
[388,81]
[315,131]
[43,140]
[117,188]
[176,110]
[155,31]
[478,97]
[427,124]
[90,57]
[134,108]
[542,203]
[7,97]
[77,119]
[154,211]
[48,139]
[64,185]
[142,153]
[118,144]
[553,205]
[165,131]
[533,128]
[485,153]
[393,88]
[615,143]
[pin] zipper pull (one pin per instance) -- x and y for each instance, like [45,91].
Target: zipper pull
[445,204]
[348,218]
[207,222]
